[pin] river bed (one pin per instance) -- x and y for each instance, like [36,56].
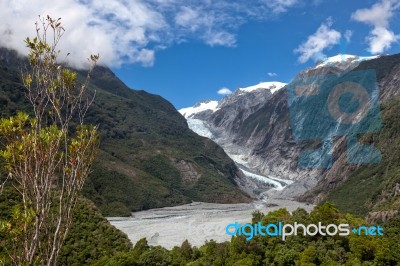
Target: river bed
[197,222]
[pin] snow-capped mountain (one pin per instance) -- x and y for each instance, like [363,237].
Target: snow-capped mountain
[344,60]
[208,118]
[199,107]
[211,106]
[218,120]
[272,86]
[253,125]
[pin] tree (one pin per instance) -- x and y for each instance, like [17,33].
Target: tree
[47,156]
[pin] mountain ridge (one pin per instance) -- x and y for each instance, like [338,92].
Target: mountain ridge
[148,156]
[260,134]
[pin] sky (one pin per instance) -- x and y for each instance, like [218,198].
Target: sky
[191,50]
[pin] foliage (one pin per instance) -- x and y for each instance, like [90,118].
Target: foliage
[136,168]
[45,157]
[136,128]
[90,237]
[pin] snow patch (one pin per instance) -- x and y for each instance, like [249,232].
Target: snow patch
[198,108]
[342,58]
[273,86]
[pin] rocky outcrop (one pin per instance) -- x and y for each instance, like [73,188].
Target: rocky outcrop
[187,171]
[256,128]
[381,216]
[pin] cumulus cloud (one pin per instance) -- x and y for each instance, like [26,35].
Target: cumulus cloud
[323,38]
[378,16]
[119,31]
[224,91]
[381,39]
[272,74]
[126,32]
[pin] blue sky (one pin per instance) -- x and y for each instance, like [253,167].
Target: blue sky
[264,51]
[187,50]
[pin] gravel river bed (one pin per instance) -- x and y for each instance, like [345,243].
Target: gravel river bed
[196,222]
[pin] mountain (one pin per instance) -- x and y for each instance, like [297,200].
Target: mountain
[343,61]
[148,156]
[214,119]
[256,129]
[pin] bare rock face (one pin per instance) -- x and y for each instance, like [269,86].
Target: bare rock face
[390,84]
[381,216]
[256,128]
[188,171]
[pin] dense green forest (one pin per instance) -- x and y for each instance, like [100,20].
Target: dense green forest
[93,241]
[296,250]
[90,238]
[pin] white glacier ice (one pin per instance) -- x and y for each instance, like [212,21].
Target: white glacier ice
[199,127]
[278,183]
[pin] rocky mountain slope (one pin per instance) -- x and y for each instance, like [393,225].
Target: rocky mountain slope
[148,156]
[256,129]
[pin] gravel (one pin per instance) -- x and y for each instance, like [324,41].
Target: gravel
[197,222]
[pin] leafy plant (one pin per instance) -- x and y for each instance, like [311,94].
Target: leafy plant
[46,157]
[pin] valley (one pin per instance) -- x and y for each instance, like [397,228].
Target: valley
[255,126]
[196,222]
[252,127]
[168,175]
[199,222]
[199,133]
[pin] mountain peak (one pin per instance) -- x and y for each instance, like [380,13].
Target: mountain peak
[199,107]
[343,58]
[204,102]
[273,86]
[213,106]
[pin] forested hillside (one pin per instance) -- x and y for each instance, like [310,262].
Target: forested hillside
[149,157]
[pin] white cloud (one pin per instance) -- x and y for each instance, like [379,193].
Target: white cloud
[272,74]
[126,32]
[347,35]
[119,31]
[280,6]
[380,37]
[207,25]
[221,38]
[378,15]
[322,39]
[224,91]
